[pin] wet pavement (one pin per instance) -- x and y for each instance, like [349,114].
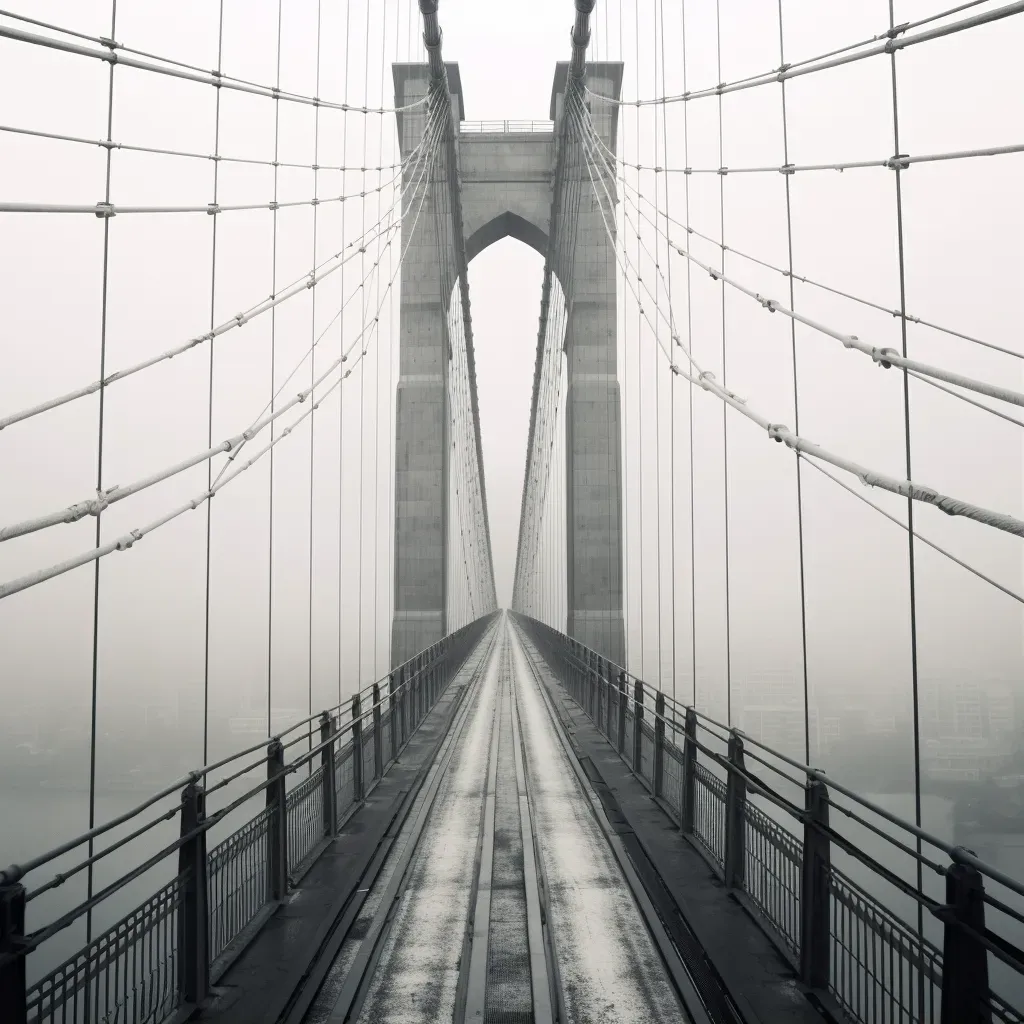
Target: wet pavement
[501,900]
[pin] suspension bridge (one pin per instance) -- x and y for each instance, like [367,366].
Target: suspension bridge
[271,750]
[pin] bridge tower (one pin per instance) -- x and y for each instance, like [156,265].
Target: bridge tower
[509,185]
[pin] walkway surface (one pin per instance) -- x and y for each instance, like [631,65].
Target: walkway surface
[502,900]
[500,872]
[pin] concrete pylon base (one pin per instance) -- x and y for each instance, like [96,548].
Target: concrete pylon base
[603,632]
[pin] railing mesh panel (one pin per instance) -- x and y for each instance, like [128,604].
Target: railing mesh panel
[128,974]
[237,876]
[305,818]
[772,876]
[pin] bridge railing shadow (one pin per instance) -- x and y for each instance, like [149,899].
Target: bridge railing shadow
[159,961]
[766,824]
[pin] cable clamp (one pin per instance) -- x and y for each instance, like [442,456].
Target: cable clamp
[273,205]
[365,110]
[715,276]
[347,373]
[787,169]
[275,92]
[897,30]
[105,210]
[768,304]
[899,162]
[879,355]
[311,283]
[240,318]
[723,171]
[216,75]
[675,369]
[687,171]
[109,43]
[316,101]
[315,167]
[720,88]
[124,543]
[314,202]
[776,430]
[705,375]
[213,208]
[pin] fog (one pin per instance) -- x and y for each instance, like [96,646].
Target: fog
[300,620]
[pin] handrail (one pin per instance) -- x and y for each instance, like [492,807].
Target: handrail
[816,915]
[505,127]
[14,872]
[956,853]
[286,835]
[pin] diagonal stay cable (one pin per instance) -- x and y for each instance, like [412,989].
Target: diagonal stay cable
[887,42]
[308,280]
[777,432]
[126,541]
[234,444]
[885,357]
[112,53]
[690,230]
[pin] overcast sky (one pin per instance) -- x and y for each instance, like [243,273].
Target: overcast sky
[963,225]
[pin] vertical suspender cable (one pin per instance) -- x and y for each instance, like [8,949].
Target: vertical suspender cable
[654,357]
[209,409]
[341,398]
[312,363]
[911,567]
[639,363]
[796,405]
[689,346]
[362,370]
[725,377]
[377,631]
[93,703]
[672,377]
[273,375]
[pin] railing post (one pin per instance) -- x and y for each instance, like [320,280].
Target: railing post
[277,826]
[638,717]
[659,743]
[327,762]
[357,750]
[608,700]
[403,711]
[378,753]
[620,739]
[193,913]
[13,991]
[814,889]
[964,958]
[393,695]
[689,798]
[592,662]
[735,817]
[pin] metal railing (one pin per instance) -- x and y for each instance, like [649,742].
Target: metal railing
[161,959]
[500,127]
[847,943]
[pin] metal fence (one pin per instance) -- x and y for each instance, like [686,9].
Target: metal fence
[500,127]
[162,958]
[846,944]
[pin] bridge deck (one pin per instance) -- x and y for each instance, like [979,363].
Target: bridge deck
[490,876]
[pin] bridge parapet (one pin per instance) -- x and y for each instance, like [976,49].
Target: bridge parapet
[161,959]
[906,934]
